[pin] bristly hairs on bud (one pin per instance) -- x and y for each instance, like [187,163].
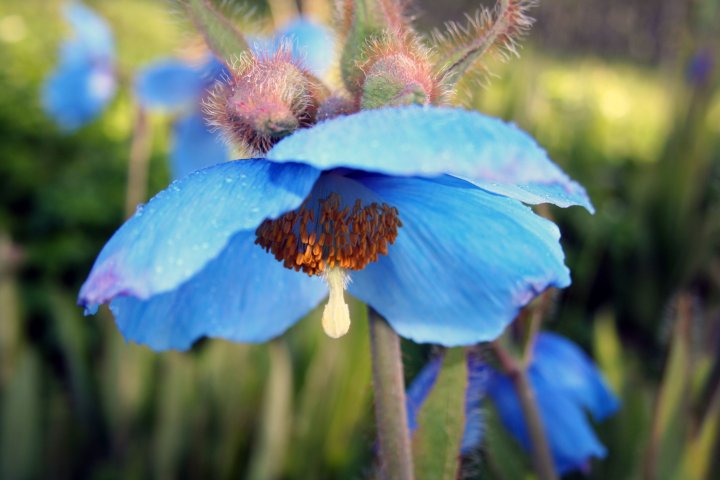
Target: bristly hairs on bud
[396,15]
[397,71]
[393,13]
[498,31]
[265,98]
[360,23]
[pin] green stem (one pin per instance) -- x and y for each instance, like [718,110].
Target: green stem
[541,456]
[139,163]
[534,323]
[390,410]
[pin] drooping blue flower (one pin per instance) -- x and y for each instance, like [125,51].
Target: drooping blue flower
[416,210]
[311,43]
[566,384]
[179,87]
[84,81]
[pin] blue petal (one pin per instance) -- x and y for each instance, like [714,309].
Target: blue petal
[420,388]
[478,377]
[93,34]
[464,263]
[243,295]
[169,84]
[430,141]
[570,436]
[570,371]
[312,44]
[188,224]
[195,147]
[76,93]
[214,70]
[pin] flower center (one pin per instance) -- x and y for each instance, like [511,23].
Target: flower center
[330,236]
[326,237]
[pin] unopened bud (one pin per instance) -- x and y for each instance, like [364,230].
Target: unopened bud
[398,74]
[263,100]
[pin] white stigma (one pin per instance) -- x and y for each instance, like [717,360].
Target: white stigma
[336,315]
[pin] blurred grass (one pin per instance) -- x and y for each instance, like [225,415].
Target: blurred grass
[77,401]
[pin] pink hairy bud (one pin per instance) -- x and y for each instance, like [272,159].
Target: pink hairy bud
[398,72]
[264,99]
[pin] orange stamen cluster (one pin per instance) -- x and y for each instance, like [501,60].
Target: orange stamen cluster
[348,238]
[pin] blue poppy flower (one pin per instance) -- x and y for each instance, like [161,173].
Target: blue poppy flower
[416,211]
[84,81]
[311,43]
[178,87]
[566,384]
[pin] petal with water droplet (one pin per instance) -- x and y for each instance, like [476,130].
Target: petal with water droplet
[198,214]
[244,295]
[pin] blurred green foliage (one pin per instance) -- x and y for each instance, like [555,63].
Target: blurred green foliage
[76,401]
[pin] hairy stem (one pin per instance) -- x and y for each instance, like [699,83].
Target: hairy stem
[509,21]
[390,409]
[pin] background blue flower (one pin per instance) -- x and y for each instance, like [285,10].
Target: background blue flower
[179,87]
[311,43]
[84,80]
[465,260]
[566,384]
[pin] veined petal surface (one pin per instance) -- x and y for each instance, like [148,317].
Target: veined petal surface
[169,84]
[565,366]
[243,295]
[188,224]
[431,141]
[464,263]
[194,146]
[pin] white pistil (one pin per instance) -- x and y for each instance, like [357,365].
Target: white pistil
[336,315]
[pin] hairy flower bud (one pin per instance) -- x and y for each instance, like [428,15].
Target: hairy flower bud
[263,100]
[398,73]
[365,22]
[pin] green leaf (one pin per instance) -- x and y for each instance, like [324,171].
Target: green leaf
[21,432]
[699,452]
[221,35]
[672,412]
[441,422]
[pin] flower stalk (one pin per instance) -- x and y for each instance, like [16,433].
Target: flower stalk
[390,405]
[541,456]
[138,163]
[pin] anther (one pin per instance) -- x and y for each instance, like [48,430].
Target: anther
[347,237]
